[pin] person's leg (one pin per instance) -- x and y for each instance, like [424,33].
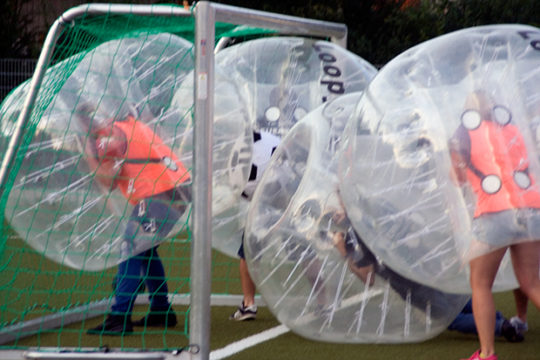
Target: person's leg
[247,310]
[519,321]
[467,309]
[464,322]
[522,302]
[118,321]
[160,314]
[526,262]
[248,286]
[499,322]
[127,282]
[504,328]
[483,270]
[154,275]
[128,277]
[164,216]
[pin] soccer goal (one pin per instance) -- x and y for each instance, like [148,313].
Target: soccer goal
[112,61]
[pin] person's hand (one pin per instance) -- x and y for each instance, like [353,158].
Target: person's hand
[111,145]
[339,242]
[365,273]
[338,217]
[104,152]
[459,174]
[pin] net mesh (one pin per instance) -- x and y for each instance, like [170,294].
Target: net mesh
[45,301]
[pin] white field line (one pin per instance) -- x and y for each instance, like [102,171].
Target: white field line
[248,342]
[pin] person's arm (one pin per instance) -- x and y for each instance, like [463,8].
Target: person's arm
[362,265]
[104,152]
[365,273]
[459,162]
[339,242]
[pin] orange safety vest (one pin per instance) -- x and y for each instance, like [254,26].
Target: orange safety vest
[149,166]
[498,168]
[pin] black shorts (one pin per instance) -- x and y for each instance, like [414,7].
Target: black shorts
[241,254]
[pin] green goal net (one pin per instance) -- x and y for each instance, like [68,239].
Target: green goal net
[55,283]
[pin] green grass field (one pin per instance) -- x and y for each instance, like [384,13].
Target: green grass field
[449,345]
[35,287]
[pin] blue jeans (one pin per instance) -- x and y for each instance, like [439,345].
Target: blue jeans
[131,273]
[464,322]
[151,216]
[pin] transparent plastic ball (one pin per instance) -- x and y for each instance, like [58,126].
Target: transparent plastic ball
[232,147]
[57,202]
[424,154]
[282,79]
[311,268]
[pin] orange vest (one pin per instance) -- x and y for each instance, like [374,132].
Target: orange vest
[149,166]
[498,169]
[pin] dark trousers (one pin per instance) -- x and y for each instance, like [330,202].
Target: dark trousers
[155,215]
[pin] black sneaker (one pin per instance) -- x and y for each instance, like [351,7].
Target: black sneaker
[115,325]
[510,333]
[244,313]
[164,318]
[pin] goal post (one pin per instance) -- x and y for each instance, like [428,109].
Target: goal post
[206,15]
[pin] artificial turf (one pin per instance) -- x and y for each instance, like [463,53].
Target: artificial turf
[447,345]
